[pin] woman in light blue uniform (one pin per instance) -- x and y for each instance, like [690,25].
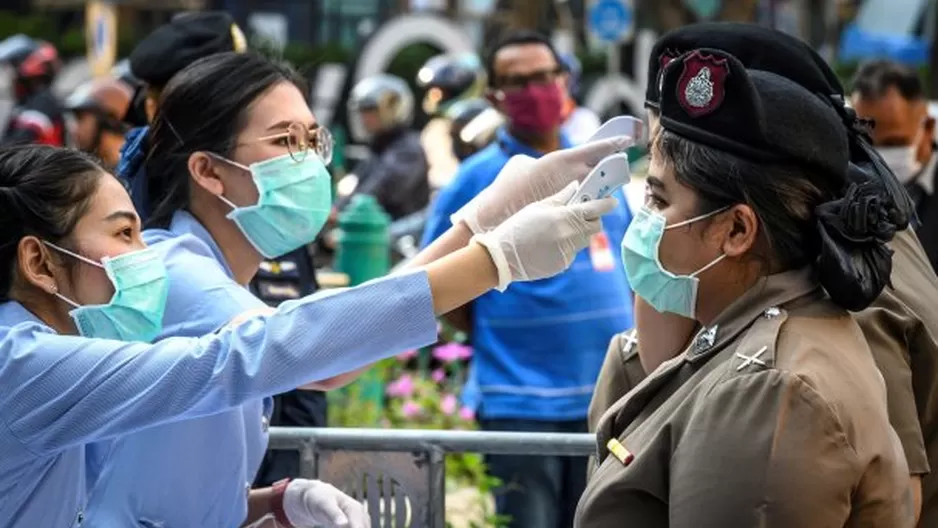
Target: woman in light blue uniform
[74,263]
[236,172]
[69,242]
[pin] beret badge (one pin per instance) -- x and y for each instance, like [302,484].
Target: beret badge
[700,89]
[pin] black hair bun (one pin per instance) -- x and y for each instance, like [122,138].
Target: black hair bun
[855,263]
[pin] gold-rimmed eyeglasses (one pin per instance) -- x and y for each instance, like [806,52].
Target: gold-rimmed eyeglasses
[300,139]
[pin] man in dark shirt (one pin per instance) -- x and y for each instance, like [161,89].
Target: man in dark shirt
[892,95]
[396,174]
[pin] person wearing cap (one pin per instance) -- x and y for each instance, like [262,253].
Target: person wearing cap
[775,414]
[164,52]
[396,172]
[901,325]
[99,107]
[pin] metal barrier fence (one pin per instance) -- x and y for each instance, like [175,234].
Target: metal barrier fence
[401,473]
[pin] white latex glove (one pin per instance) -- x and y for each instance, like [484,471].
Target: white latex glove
[525,180]
[313,503]
[542,239]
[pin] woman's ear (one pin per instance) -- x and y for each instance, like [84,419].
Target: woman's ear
[742,232]
[36,265]
[202,169]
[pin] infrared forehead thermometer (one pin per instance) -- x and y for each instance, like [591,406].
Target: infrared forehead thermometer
[621,126]
[613,171]
[608,175]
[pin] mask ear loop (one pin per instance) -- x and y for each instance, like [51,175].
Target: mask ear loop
[697,219]
[55,289]
[221,197]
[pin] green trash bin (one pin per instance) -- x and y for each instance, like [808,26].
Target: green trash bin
[363,253]
[363,244]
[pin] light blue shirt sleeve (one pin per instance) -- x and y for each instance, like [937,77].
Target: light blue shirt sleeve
[61,391]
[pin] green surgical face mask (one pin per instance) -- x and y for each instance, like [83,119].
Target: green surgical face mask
[135,312]
[294,201]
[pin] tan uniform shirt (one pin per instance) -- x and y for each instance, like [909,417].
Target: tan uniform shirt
[774,416]
[902,330]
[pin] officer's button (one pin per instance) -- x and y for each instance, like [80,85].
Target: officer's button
[771,313]
[265,423]
[81,517]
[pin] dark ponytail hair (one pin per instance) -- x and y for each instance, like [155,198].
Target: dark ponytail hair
[203,108]
[44,192]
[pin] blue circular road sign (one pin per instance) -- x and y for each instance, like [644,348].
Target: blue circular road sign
[611,20]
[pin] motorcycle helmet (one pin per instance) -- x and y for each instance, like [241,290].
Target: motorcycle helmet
[450,78]
[379,103]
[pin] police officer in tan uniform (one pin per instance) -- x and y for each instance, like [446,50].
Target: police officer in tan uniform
[901,325]
[776,414]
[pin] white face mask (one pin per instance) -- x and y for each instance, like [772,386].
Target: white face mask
[902,161]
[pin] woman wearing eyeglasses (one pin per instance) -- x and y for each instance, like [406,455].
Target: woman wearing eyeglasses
[236,172]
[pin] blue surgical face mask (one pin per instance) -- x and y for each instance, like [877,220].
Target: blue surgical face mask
[294,201]
[663,290]
[135,312]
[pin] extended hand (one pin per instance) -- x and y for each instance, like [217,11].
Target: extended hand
[543,238]
[309,503]
[525,180]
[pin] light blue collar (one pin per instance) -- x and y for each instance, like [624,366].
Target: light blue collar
[13,313]
[184,223]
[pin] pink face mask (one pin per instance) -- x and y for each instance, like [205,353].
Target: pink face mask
[535,108]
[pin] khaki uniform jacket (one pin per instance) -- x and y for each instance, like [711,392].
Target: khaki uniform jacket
[774,416]
[901,328]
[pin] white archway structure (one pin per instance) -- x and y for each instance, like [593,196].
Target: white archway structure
[397,34]
[611,90]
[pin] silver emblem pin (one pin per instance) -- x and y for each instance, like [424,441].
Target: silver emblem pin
[772,313]
[705,340]
[699,91]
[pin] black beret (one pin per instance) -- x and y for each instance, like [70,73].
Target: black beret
[709,97]
[761,48]
[756,47]
[186,39]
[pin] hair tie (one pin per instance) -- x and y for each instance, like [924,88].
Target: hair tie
[855,263]
[864,215]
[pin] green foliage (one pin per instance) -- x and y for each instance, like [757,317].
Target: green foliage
[422,388]
[35,25]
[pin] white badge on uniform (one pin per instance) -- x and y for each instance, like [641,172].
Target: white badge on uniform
[600,253]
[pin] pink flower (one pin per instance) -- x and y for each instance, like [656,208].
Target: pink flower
[467,414]
[411,409]
[448,404]
[438,375]
[407,356]
[402,387]
[452,352]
